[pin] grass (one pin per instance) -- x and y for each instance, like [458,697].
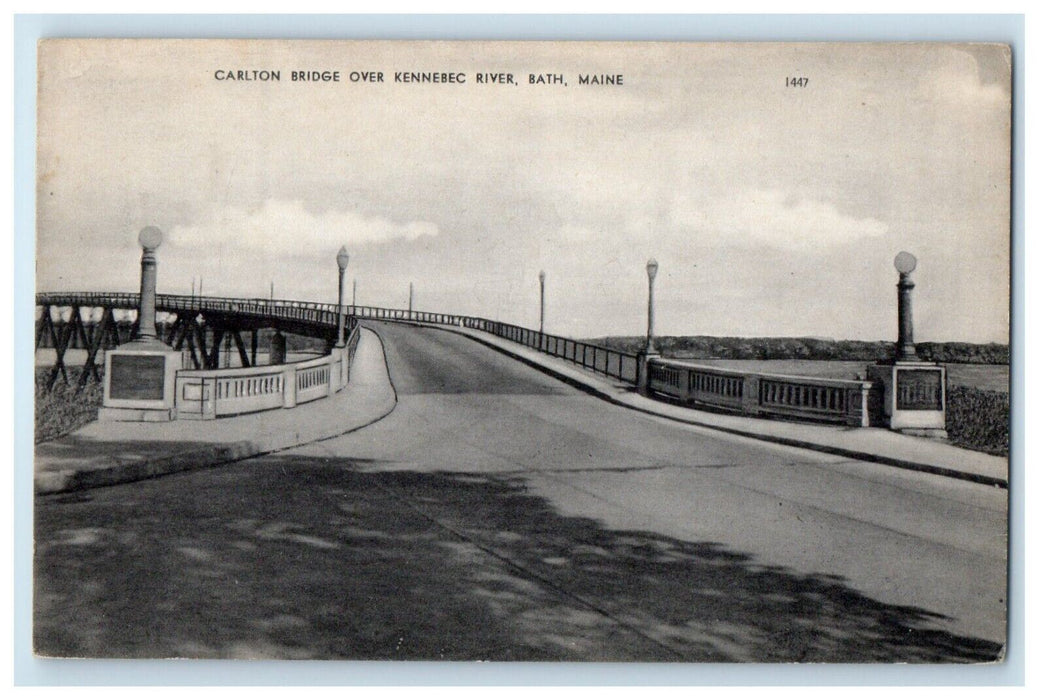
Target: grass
[979,419]
[62,409]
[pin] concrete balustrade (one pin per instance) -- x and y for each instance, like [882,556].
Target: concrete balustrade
[851,402]
[312,378]
[207,394]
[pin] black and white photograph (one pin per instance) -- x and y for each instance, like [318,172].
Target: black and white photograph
[573,351]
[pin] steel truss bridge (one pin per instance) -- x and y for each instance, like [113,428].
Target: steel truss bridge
[202,323]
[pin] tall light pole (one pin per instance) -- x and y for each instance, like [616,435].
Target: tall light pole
[913,392]
[905,263]
[651,272]
[343,262]
[410,299]
[353,293]
[150,239]
[649,353]
[140,375]
[541,279]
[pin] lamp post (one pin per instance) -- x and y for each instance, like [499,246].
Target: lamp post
[140,376]
[343,262]
[651,272]
[913,392]
[905,263]
[649,353]
[150,239]
[541,279]
[410,299]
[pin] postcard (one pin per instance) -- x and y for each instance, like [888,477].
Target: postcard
[522,351]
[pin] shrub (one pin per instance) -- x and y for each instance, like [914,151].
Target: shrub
[63,409]
[979,419]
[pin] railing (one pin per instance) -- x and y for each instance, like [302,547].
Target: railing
[611,363]
[312,378]
[205,394]
[307,312]
[593,357]
[851,402]
[840,401]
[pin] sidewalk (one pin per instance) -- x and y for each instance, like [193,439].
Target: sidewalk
[866,444]
[103,454]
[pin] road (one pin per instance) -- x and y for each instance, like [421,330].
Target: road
[500,514]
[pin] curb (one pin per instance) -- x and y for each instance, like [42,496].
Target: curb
[206,458]
[789,442]
[120,473]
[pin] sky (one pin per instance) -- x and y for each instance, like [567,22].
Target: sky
[772,209]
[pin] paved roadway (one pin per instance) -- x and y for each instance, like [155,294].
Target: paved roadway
[500,514]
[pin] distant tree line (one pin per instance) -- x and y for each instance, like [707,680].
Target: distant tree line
[703,347]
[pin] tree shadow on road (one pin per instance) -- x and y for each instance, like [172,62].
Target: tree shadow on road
[299,557]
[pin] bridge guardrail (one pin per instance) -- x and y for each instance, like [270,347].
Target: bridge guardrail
[205,394]
[611,363]
[321,314]
[850,402]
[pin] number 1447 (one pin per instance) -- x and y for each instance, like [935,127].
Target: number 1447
[796,82]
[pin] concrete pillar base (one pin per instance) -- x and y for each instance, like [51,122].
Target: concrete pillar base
[643,372]
[140,382]
[277,349]
[914,397]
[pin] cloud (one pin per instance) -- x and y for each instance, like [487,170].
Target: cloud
[286,227]
[771,217]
